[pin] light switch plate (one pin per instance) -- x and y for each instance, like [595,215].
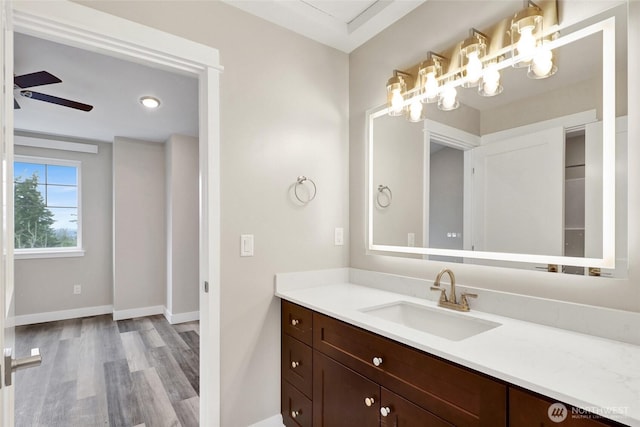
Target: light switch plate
[338,236]
[246,245]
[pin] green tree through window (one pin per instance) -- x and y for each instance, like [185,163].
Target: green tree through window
[46,203]
[33,220]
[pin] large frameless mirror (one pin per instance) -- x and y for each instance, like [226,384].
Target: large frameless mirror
[526,179]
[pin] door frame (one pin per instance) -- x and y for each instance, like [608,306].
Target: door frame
[79,26]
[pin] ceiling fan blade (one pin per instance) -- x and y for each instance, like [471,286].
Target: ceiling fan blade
[16,106]
[55,100]
[39,78]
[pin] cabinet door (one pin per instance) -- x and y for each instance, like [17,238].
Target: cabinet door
[527,409]
[339,396]
[399,412]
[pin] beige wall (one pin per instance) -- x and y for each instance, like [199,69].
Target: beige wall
[284,113]
[398,163]
[370,66]
[181,155]
[139,254]
[46,284]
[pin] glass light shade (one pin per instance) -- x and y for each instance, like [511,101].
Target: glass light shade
[396,89]
[526,29]
[490,85]
[417,111]
[431,88]
[542,65]
[448,99]
[428,72]
[472,51]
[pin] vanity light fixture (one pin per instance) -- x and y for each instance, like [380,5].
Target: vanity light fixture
[517,40]
[526,29]
[472,50]
[150,102]
[428,73]
[396,91]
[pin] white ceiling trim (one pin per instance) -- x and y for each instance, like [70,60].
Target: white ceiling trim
[311,22]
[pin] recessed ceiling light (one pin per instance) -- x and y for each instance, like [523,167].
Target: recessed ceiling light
[150,102]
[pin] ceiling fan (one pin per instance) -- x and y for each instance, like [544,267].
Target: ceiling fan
[42,78]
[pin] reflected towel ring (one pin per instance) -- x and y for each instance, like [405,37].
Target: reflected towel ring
[381,191]
[300,182]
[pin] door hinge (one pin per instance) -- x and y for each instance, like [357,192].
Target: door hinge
[206,287]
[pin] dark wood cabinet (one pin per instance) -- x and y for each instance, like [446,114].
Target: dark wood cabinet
[339,396]
[297,365]
[527,409]
[402,413]
[453,393]
[338,375]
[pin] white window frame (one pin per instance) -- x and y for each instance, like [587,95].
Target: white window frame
[75,251]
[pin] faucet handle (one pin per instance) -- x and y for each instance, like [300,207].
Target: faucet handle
[443,292]
[465,302]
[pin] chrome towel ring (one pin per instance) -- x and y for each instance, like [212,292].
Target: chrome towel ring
[300,183]
[385,192]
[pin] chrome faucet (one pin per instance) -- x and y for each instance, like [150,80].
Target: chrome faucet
[452,301]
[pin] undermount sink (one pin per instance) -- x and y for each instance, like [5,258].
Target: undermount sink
[450,325]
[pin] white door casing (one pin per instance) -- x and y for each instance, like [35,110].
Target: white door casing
[79,26]
[7,336]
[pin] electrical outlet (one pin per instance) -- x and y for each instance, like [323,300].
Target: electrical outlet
[77,289]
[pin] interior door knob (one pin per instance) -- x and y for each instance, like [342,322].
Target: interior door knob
[369,401]
[385,411]
[294,364]
[294,322]
[377,361]
[294,414]
[11,365]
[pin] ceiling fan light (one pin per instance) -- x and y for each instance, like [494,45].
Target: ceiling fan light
[150,102]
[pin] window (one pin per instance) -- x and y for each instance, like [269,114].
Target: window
[46,205]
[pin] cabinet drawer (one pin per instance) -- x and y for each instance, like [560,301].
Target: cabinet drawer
[297,364]
[453,393]
[297,322]
[296,407]
[527,409]
[403,413]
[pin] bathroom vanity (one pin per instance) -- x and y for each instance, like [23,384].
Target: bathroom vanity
[348,361]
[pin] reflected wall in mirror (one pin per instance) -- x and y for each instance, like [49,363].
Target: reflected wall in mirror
[526,179]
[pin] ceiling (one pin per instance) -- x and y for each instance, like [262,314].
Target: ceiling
[342,24]
[111,85]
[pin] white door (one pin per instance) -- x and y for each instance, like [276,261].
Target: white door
[6,213]
[518,194]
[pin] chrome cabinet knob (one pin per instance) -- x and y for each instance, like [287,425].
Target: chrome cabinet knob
[294,364]
[377,361]
[294,414]
[294,322]
[385,411]
[369,401]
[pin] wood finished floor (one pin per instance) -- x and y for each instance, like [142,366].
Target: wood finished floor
[140,372]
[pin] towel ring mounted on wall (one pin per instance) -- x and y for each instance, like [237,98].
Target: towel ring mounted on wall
[300,183]
[385,191]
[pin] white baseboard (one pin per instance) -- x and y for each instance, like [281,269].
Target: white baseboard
[275,421]
[138,312]
[174,319]
[52,316]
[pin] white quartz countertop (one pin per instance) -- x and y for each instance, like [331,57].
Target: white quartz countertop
[595,374]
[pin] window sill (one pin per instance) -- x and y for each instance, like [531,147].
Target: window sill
[34,254]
